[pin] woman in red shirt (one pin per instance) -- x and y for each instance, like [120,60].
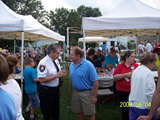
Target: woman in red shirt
[122,75]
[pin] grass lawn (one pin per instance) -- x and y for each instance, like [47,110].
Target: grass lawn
[107,111]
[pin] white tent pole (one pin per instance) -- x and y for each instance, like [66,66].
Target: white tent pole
[63,50]
[84,44]
[106,48]
[22,44]
[136,43]
[158,38]
[14,47]
[67,39]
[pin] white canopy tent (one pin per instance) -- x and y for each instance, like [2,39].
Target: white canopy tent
[17,27]
[130,18]
[93,39]
[99,39]
[12,24]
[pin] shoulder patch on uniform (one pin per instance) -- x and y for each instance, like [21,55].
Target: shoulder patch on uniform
[42,68]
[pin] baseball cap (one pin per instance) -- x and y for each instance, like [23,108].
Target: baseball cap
[156,48]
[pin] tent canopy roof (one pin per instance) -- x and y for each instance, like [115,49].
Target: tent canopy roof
[130,18]
[12,24]
[132,9]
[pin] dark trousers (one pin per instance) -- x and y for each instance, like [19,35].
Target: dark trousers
[49,102]
[123,97]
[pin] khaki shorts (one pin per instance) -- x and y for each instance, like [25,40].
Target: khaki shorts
[82,102]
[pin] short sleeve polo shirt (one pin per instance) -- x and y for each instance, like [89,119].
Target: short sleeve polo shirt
[123,84]
[83,76]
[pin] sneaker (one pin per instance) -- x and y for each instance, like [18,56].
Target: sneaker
[35,117]
[27,112]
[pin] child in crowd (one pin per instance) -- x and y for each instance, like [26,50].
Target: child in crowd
[30,78]
[110,69]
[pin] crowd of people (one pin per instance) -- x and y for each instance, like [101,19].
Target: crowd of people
[144,47]
[30,70]
[134,83]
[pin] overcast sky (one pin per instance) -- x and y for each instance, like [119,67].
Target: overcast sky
[104,5]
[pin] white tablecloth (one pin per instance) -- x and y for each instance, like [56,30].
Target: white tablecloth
[155,74]
[105,81]
[107,77]
[17,77]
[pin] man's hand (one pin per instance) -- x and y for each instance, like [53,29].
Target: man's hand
[94,99]
[62,73]
[158,114]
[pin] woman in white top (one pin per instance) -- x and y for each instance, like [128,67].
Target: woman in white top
[13,88]
[142,87]
[7,107]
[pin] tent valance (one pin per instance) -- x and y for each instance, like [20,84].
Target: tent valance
[122,32]
[11,35]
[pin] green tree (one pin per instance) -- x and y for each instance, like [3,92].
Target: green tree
[58,19]
[63,18]
[74,21]
[13,4]
[88,11]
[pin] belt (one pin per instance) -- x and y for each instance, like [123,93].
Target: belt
[48,87]
[83,90]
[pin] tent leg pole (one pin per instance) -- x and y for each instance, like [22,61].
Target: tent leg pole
[63,51]
[67,40]
[14,47]
[136,43]
[84,44]
[158,38]
[22,44]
